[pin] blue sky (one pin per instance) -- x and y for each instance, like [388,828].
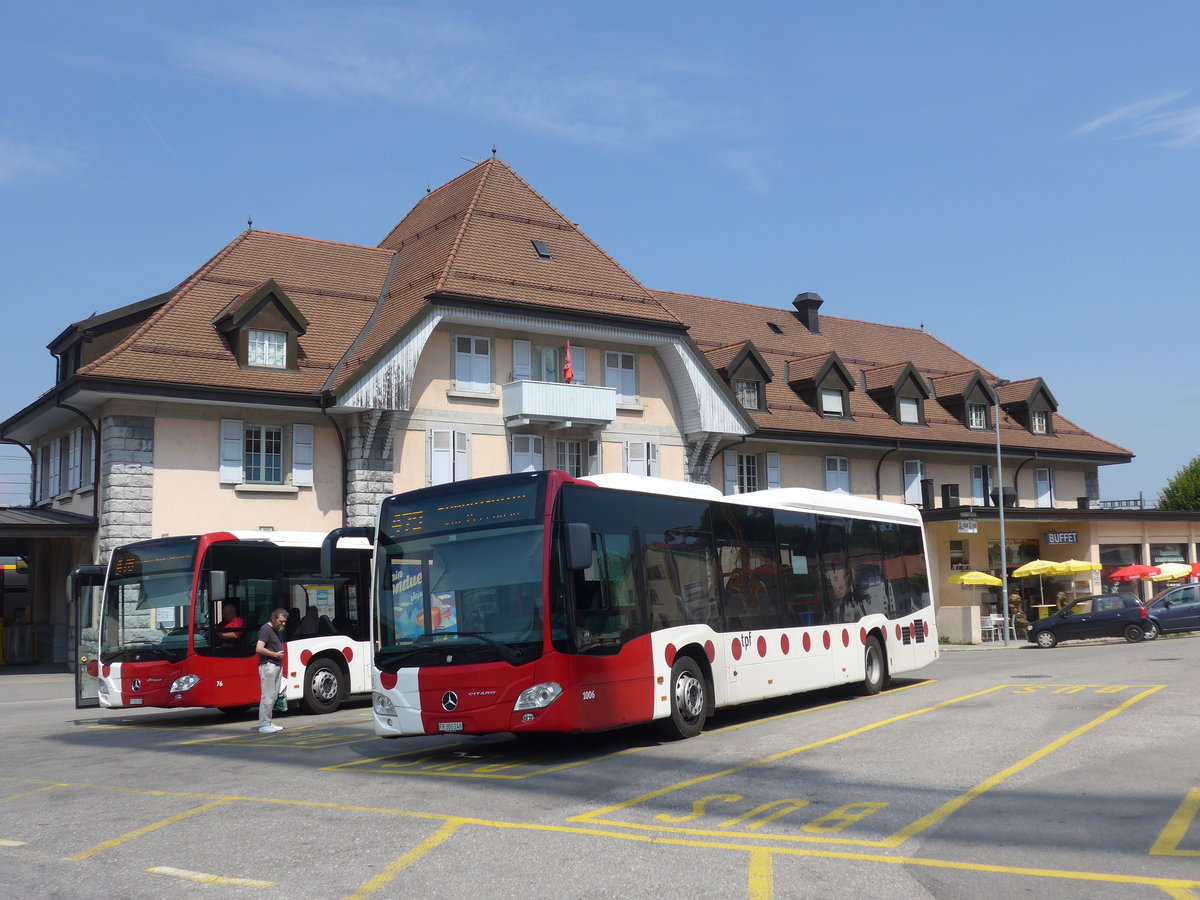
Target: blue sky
[1020,179]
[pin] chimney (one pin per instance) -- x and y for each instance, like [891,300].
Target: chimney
[808,305]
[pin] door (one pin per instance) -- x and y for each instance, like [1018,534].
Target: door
[85,585]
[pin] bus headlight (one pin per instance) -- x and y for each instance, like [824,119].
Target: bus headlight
[383,705]
[539,696]
[184,683]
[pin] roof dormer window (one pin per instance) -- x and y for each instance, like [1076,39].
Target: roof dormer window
[977,416]
[266,348]
[747,393]
[908,410]
[1040,421]
[833,403]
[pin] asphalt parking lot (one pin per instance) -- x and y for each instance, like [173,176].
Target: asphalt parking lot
[1006,772]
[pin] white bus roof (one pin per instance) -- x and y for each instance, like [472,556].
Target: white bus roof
[297,538]
[800,499]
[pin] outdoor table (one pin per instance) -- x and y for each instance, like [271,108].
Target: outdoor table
[1043,609]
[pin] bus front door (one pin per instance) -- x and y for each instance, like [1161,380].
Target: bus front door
[85,585]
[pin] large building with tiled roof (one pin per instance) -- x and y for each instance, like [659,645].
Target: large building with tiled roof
[291,382]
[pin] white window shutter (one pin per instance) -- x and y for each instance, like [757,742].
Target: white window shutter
[522,361]
[462,448]
[652,455]
[441,457]
[593,463]
[731,472]
[773,472]
[231,451]
[74,459]
[302,455]
[579,364]
[55,451]
[913,470]
[635,457]
[482,365]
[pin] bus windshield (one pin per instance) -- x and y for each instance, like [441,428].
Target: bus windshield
[459,576]
[148,601]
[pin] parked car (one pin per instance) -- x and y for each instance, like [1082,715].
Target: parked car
[1172,610]
[1101,615]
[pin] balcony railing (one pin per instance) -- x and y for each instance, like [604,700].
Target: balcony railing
[525,402]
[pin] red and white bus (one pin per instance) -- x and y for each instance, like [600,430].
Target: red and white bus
[537,602]
[178,618]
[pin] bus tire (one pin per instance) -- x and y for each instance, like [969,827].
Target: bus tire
[874,667]
[323,688]
[688,697]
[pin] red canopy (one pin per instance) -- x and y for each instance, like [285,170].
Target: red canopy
[1133,573]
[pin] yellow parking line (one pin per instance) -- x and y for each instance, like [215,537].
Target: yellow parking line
[1177,828]
[209,879]
[115,842]
[438,837]
[12,843]
[761,876]
[48,787]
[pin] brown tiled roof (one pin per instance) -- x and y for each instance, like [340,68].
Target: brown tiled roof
[721,357]
[473,237]
[861,345]
[883,376]
[953,385]
[335,286]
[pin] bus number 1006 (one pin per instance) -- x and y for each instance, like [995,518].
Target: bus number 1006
[589,695]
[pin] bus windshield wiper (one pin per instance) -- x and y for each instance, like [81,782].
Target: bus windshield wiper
[505,651]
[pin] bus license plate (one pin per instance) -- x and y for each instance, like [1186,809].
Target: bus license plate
[450,726]
[136,701]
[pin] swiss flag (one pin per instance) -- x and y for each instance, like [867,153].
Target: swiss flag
[568,372]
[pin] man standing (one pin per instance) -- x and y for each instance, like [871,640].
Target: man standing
[270,663]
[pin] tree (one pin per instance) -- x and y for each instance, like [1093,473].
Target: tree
[1182,491]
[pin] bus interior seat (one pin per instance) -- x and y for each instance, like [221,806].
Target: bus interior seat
[308,625]
[293,622]
[324,626]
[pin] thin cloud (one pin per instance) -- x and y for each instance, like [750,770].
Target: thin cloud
[24,161]
[404,59]
[1176,127]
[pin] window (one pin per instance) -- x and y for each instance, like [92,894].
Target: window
[837,474]
[540,248]
[747,473]
[747,393]
[976,416]
[619,373]
[532,362]
[959,561]
[909,409]
[254,454]
[775,328]
[449,459]
[266,348]
[833,402]
[641,458]
[914,471]
[473,364]
[1041,421]
[744,472]
[262,462]
[526,453]
[981,485]
[569,458]
[1045,487]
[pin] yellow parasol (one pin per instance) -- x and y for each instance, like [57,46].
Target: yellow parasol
[975,578]
[1172,572]
[1038,567]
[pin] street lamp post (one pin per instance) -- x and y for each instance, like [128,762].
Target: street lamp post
[1000,505]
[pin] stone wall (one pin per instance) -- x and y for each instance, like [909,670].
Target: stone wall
[126,482]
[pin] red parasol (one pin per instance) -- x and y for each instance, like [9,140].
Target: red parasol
[568,371]
[1133,573]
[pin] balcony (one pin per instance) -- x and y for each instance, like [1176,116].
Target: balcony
[559,405]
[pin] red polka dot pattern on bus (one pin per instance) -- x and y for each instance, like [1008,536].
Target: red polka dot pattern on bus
[107,671]
[845,637]
[710,650]
[826,639]
[305,657]
[807,642]
[736,648]
[862,636]
[348,652]
[669,654]
[784,645]
[762,646]
[925,628]
[387,680]
[899,633]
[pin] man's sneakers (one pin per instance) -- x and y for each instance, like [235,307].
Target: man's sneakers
[269,728]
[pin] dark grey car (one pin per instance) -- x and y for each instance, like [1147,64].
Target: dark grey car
[1100,615]
[1173,610]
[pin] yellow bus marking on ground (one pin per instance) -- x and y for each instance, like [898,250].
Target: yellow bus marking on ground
[399,865]
[209,879]
[761,876]
[115,842]
[900,836]
[1177,828]
[595,815]
[12,843]
[48,787]
[436,762]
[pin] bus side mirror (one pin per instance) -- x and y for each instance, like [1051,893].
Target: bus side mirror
[81,577]
[579,545]
[216,585]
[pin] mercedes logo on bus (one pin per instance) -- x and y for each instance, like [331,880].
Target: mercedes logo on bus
[137,685]
[449,701]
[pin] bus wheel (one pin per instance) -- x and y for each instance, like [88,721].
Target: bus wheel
[874,666]
[688,698]
[322,687]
